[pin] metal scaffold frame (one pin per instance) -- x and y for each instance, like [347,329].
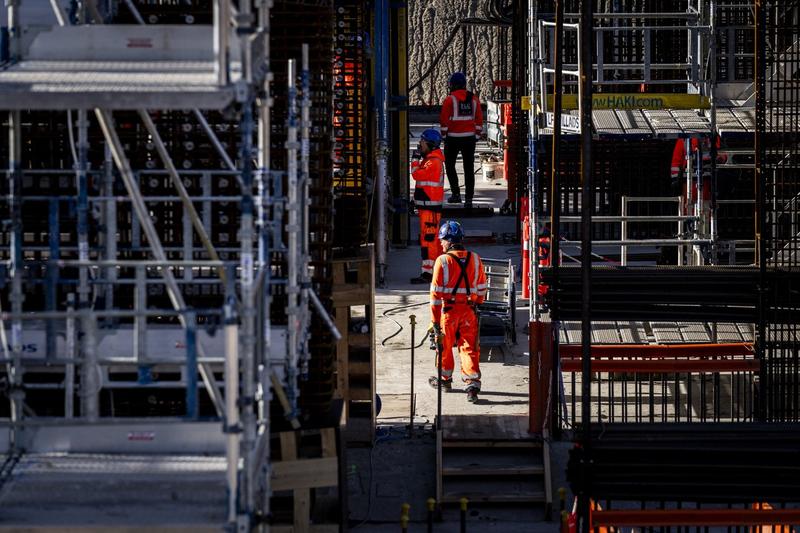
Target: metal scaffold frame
[258,358]
[698,239]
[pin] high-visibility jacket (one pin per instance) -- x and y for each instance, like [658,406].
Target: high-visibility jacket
[461,115]
[429,178]
[679,155]
[458,279]
[544,250]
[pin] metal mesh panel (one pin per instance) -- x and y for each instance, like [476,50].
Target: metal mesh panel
[778,148]
[292,25]
[618,172]
[350,122]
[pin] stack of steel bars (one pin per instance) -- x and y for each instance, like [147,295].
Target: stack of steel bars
[660,293]
[725,463]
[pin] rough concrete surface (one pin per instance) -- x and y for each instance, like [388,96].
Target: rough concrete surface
[430,23]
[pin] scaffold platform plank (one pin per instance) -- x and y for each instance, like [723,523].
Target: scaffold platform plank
[60,490]
[117,67]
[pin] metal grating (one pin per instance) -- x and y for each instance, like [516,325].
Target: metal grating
[351,155]
[778,168]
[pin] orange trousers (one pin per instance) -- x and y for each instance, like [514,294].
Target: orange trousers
[460,330]
[429,238]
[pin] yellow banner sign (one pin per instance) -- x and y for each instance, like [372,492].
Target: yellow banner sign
[636,101]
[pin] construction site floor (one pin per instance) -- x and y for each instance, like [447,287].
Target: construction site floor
[400,469]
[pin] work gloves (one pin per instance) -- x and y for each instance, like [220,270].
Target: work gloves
[435,333]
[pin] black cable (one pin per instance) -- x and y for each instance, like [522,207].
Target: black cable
[435,61]
[400,326]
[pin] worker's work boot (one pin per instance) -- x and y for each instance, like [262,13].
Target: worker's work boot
[425,277]
[468,203]
[447,384]
[472,395]
[454,199]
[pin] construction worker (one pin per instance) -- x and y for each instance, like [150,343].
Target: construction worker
[543,244]
[461,122]
[459,285]
[428,174]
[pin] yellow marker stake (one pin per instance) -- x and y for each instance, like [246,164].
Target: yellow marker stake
[404,509]
[562,496]
[464,503]
[431,504]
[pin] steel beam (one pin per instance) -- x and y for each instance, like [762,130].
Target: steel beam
[16,298]
[221,28]
[293,235]
[585,43]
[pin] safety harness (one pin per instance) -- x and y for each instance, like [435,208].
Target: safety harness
[462,276]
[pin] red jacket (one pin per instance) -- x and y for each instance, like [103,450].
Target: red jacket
[429,178]
[461,117]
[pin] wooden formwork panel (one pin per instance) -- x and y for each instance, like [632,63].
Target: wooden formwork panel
[354,306]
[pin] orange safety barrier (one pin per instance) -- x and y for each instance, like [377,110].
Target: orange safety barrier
[541,363]
[696,517]
[526,264]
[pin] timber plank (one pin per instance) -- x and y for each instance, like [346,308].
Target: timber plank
[305,474]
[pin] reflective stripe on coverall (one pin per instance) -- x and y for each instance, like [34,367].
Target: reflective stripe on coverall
[428,196]
[459,284]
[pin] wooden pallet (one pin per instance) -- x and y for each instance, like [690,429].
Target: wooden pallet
[353,298]
[301,472]
[491,459]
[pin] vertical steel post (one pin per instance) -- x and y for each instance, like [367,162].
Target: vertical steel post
[110,224]
[248,304]
[246,263]
[232,427]
[14,34]
[533,140]
[51,293]
[763,412]
[689,197]
[381,111]
[587,204]
[72,354]
[555,209]
[191,366]
[91,382]
[293,234]
[82,181]
[305,176]
[712,86]
[623,257]
[413,319]
[221,16]
[16,297]
[140,320]
[262,177]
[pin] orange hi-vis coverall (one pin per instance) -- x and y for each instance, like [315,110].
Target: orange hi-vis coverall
[428,196]
[459,284]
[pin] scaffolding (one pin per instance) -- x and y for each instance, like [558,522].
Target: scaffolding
[156,266]
[658,84]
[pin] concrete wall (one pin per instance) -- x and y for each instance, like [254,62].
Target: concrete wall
[430,24]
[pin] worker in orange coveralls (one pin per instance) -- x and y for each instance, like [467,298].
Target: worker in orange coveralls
[543,242]
[428,175]
[458,286]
